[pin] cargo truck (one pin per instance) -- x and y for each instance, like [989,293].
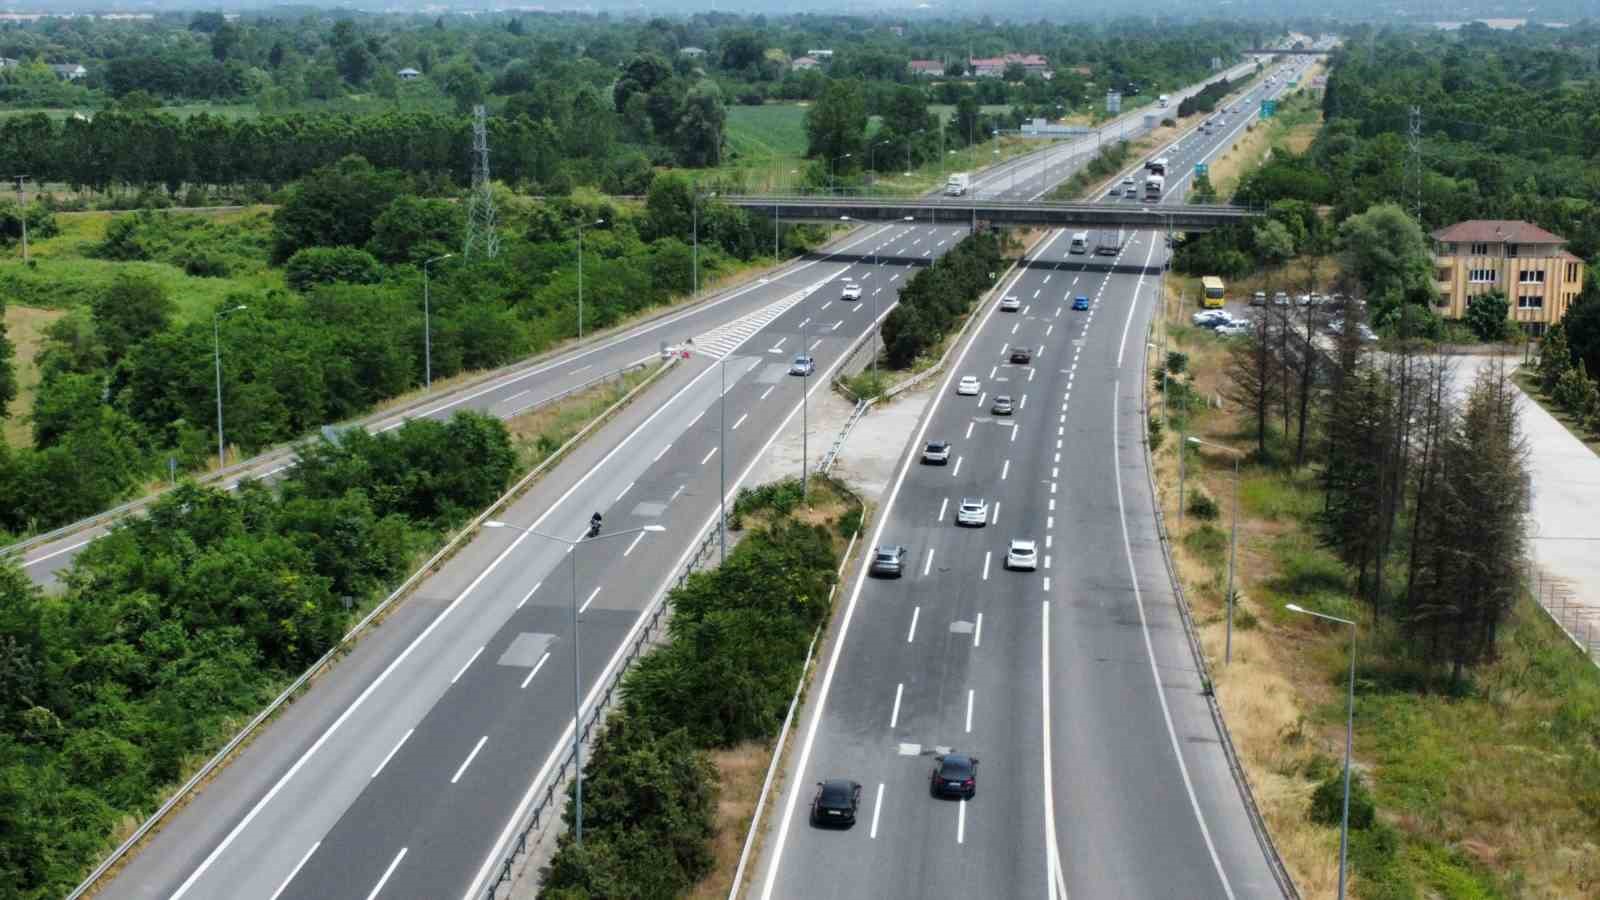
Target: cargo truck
[1154,187]
[957,184]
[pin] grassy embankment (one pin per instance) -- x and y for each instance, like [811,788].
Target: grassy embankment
[1491,792]
[1292,129]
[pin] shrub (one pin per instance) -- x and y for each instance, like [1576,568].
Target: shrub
[1202,506]
[850,523]
[1155,434]
[329,265]
[1177,363]
[1327,802]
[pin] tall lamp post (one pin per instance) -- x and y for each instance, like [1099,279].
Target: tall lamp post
[581,226]
[1233,538]
[216,349]
[577,718]
[1349,732]
[831,187]
[427,326]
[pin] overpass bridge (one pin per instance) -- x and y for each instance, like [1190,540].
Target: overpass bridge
[963,210]
[1303,51]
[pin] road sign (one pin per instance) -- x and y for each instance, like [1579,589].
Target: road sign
[1268,107]
[1201,168]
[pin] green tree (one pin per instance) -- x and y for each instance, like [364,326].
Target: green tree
[461,82]
[413,229]
[1555,358]
[8,372]
[1488,316]
[334,206]
[1386,251]
[330,265]
[132,309]
[836,125]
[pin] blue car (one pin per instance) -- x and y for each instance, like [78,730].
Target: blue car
[1081,303]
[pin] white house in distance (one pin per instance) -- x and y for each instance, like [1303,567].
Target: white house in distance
[824,55]
[692,52]
[926,68]
[408,74]
[69,71]
[995,66]
[805,64]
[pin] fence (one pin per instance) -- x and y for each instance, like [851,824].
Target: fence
[211,765]
[832,455]
[540,815]
[1576,619]
[1280,873]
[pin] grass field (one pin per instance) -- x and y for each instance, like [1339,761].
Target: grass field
[1295,126]
[1491,791]
[25,329]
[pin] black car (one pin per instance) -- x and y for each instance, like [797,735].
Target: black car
[889,561]
[937,453]
[836,802]
[1021,355]
[954,775]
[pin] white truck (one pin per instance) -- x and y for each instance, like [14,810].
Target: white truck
[957,184]
[1109,243]
[1080,242]
[1164,100]
[1154,187]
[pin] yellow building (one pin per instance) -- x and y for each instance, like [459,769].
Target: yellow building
[1527,264]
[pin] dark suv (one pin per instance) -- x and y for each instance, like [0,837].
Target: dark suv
[954,775]
[836,802]
[1021,355]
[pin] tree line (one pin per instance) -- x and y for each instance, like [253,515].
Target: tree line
[935,299]
[182,622]
[738,640]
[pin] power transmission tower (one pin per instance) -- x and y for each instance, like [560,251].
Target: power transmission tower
[1414,162]
[482,239]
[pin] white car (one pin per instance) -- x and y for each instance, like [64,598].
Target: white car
[852,291]
[973,512]
[1022,555]
[1010,303]
[967,386]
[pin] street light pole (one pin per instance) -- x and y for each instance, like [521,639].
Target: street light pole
[216,348]
[577,687]
[1349,739]
[427,327]
[581,226]
[1233,540]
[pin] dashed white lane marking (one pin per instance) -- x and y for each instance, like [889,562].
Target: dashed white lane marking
[877,807]
[296,870]
[961,821]
[662,452]
[927,565]
[529,595]
[585,607]
[969,429]
[969,708]
[1005,469]
[767,391]
[633,543]
[536,667]
[386,873]
[977,632]
[739,422]
[911,634]
[625,491]
[402,743]
[986,556]
[464,763]
[709,453]
[461,671]
[957,471]
[943,505]
[894,715]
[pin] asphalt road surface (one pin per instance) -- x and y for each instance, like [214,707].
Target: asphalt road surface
[1101,772]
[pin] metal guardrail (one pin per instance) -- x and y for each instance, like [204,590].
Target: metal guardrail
[1258,824]
[832,455]
[538,817]
[398,593]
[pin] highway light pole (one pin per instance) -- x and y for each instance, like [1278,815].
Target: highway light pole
[581,226]
[577,688]
[1233,539]
[216,348]
[831,186]
[1349,732]
[427,327]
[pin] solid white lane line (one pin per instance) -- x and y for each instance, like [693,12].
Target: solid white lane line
[662,452]
[386,873]
[529,595]
[1005,468]
[739,422]
[957,472]
[468,761]
[1133,305]
[515,396]
[927,565]
[585,607]
[633,543]
[943,505]
[1150,651]
[969,710]
[1051,861]
[624,492]
[295,871]
[986,555]
[709,453]
[916,612]
[55,553]
[961,821]
[977,632]
[461,671]
[397,746]
[877,807]
[894,715]
[536,667]
[767,391]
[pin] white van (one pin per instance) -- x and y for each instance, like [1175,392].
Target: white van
[1080,242]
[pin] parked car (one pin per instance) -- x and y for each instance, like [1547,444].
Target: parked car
[1002,405]
[888,561]
[1211,318]
[1280,298]
[836,802]
[937,453]
[1259,298]
[967,386]
[852,291]
[1021,356]
[1022,555]
[972,511]
[1010,303]
[803,365]
[954,775]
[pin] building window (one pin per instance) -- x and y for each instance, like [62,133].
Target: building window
[1535,329]
[1480,250]
[1531,276]
[1511,250]
[1442,273]
[1531,302]
[1572,271]
[1480,276]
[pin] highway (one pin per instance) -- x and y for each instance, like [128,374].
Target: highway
[526,384]
[401,771]
[1101,772]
